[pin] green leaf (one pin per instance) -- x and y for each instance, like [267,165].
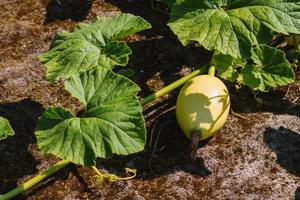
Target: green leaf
[233,27]
[271,69]
[91,45]
[128,73]
[5,129]
[112,123]
[226,66]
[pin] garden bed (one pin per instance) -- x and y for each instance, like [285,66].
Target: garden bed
[256,155]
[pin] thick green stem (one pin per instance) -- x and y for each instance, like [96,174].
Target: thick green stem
[173,86]
[21,188]
[212,70]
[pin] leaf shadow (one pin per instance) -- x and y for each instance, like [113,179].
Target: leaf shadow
[160,61]
[286,144]
[144,9]
[15,158]
[274,101]
[195,97]
[205,111]
[76,10]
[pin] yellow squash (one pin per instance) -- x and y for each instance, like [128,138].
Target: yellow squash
[202,106]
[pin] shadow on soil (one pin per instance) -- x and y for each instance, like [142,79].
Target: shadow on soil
[158,62]
[286,144]
[144,9]
[16,161]
[244,101]
[76,10]
[276,103]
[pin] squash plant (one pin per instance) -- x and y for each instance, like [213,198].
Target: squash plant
[112,122]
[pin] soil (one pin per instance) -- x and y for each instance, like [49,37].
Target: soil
[255,156]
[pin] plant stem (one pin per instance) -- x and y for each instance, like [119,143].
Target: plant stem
[21,188]
[212,70]
[172,86]
[296,43]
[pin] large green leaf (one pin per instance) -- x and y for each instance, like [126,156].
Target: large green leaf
[112,123]
[271,69]
[267,67]
[91,45]
[227,66]
[5,129]
[233,27]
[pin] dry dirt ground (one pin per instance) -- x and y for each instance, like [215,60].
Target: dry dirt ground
[255,156]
